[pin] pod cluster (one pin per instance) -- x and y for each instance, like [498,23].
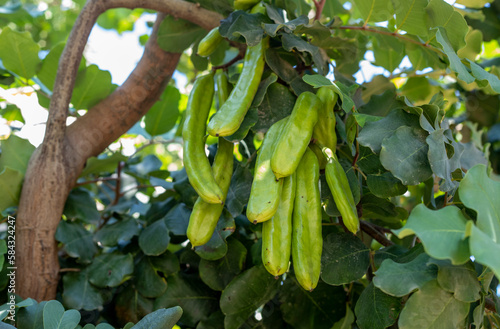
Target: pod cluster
[285,193]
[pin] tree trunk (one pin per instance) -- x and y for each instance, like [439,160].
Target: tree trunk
[56,164]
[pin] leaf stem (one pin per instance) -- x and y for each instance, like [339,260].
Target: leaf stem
[372,231]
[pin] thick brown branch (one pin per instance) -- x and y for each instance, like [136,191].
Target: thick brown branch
[376,234]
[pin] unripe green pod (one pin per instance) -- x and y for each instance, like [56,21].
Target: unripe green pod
[244,4]
[307,241]
[342,194]
[230,116]
[319,154]
[205,216]
[222,86]
[196,163]
[209,43]
[277,232]
[296,135]
[265,191]
[259,8]
[324,130]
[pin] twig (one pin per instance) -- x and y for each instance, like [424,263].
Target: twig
[489,304]
[374,233]
[69,269]
[118,183]
[228,64]
[392,34]
[102,179]
[319,8]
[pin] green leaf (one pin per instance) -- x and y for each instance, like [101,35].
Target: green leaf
[376,310]
[411,16]
[147,280]
[438,159]
[121,230]
[385,185]
[163,115]
[79,293]
[11,113]
[373,133]
[388,52]
[249,121]
[442,15]
[111,270]
[167,263]
[11,183]
[19,53]
[318,81]
[292,41]
[455,63]
[245,294]
[474,40]
[432,305]
[131,306]
[91,86]
[277,103]
[483,248]
[319,309]
[196,299]
[217,274]
[81,205]
[240,24]
[290,26]
[489,79]
[214,321]
[155,238]
[16,153]
[164,318]
[217,246]
[382,209]
[48,70]
[30,316]
[103,165]
[415,273]
[374,10]
[442,232]
[280,66]
[345,259]
[77,241]
[262,90]
[54,316]
[460,280]
[175,35]
[239,190]
[347,321]
[404,154]
[479,192]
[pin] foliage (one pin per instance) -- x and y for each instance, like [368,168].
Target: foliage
[419,143]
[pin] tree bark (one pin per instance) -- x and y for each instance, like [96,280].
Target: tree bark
[57,162]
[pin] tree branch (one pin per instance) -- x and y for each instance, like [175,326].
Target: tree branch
[374,233]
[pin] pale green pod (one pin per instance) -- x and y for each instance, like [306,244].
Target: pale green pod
[196,163]
[209,43]
[307,241]
[266,189]
[296,135]
[277,232]
[324,130]
[205,216]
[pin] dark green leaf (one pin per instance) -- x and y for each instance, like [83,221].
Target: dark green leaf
[30,316]
[404,154]
[373,133]
[460,280]
[147,280]
[281,67]
[291,41]
[441,165]
[245,294]
[432,305]
[77,241]
[160,319]
[121,230]
[217,274]
[177,219]
[455,63]
[155,238]
[346,322]
[388,52]
[376,310]
[444,16]
[81,205]
[239,190]
[249,121]
[262,90]
[111,270]
[240,24]
[103,164]
[290,26]
[277,103]
[131,306]
[319,309]
[175,35]
[196,299]
[374,10]
[16,152]
[167,263]
[79,293]
[415,273]
[10,182]
[385,185]
[214,321]
[382,209]
[345,259]
[163,116]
